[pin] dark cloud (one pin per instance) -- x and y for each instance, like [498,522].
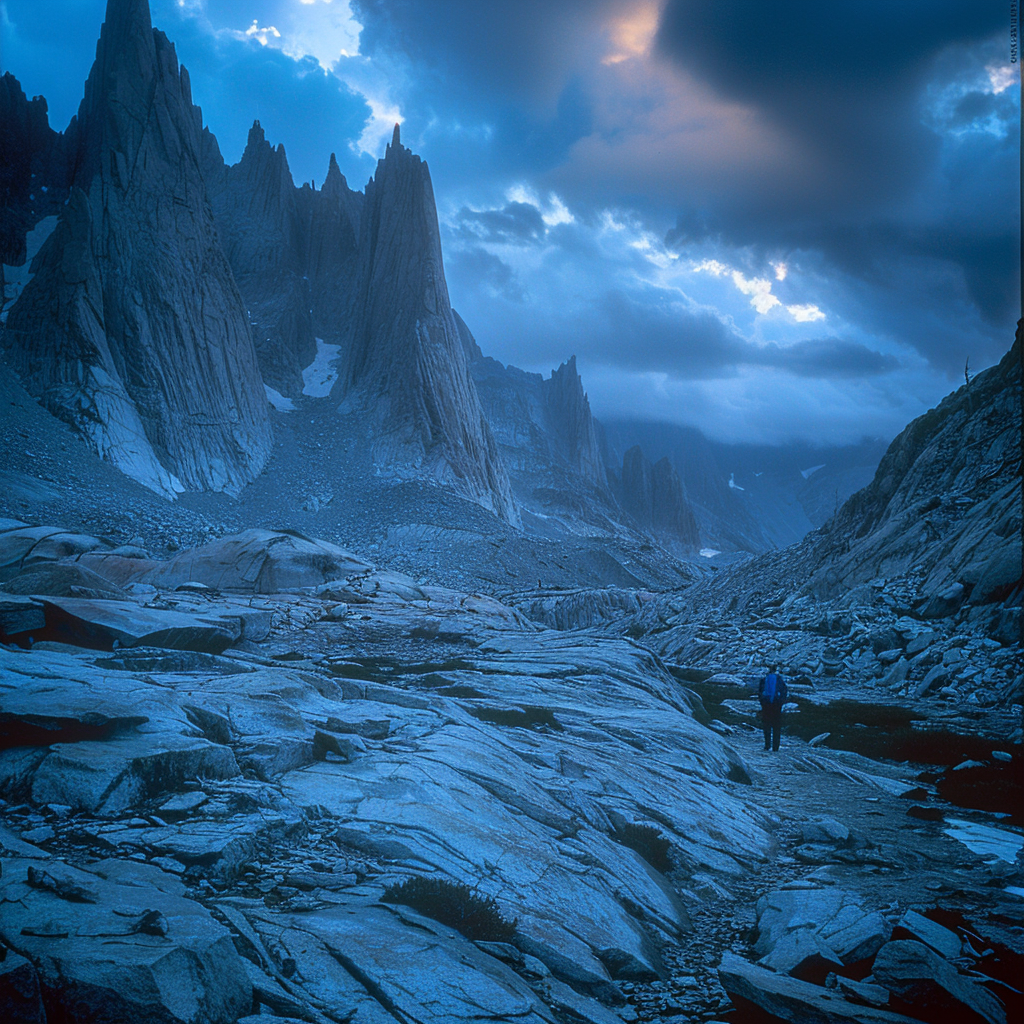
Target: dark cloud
[825,358]
[654,333]
[844,77]
[517,52]
[516,224]
[517,67]
[481,267]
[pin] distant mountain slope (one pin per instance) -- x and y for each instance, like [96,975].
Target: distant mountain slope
[943,514]
[753,497]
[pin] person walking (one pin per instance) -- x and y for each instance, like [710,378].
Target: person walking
[772,693]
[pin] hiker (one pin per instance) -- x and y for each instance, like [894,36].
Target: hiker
[772,693]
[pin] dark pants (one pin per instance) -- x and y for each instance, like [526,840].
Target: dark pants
[771,722]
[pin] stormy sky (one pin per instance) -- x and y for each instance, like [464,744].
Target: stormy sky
[772,221]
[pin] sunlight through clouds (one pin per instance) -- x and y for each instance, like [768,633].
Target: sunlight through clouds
[553,212]
[805,314]
[632,36]
[759,289]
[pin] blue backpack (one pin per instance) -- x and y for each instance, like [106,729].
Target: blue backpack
[771,688]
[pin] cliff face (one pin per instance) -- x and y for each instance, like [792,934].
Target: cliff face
[653,495]
[571,422]
[256,210]
[332,217]
[294,253]
[407,367]
[34,172]
[945,503]
[132,328]
[939,526]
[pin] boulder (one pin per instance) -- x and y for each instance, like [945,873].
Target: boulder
[944,603]
[220,848]
[862,991]
[825,831]
[356,957]
[102,961]
[24,547]
[835,916]
[254,561]
[63,579]
[110,776]
[798,1002]
[934,988]
[105,624]
[803,954]
[997,577]
[897,675]
[20,615]
[920,643]
[916,926]
[935,679]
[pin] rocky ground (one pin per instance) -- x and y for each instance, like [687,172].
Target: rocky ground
[225,774]
[49,475]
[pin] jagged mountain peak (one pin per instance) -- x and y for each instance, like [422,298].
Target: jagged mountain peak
[123,18]
[260,153]
[132,328]
[407,353]
[569,415]
[257,136]
[655,496]
[335,183]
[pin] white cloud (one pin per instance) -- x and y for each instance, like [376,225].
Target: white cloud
[323,29]
[1001,76]
[263,36]
[712,267]
[557,212]
[759,289]
[384,115]
[805,314]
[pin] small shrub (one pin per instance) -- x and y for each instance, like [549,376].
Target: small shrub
[457,906]
[648,842]
[524,717]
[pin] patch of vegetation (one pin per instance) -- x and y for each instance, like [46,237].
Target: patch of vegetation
[690,675]
[525,717]
[475,917]
[465,692]
[648,842]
